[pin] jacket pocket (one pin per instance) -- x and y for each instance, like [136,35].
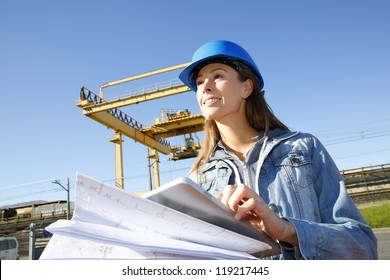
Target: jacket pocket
[215,177]
[296,168]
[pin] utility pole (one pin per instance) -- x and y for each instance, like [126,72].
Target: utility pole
[154,165]
[67,189]
[31,242]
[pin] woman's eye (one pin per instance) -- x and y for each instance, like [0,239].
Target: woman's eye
[199,82]
[217,76]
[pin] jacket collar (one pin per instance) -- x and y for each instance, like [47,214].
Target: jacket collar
[274,138]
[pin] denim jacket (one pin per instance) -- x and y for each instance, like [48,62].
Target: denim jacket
[296,176]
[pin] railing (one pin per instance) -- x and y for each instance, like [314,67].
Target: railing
[86,94]
[146,89]
[366,170]
[378,175]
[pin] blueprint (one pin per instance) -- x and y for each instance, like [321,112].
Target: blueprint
[110,223]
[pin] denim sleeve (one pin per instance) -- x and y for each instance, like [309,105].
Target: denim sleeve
[343,233]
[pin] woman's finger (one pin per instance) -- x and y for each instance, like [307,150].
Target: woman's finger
[227,193]
[247,207]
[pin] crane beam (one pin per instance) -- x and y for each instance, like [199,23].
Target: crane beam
[119,121]
[116,124]
[136,99]
[140,76]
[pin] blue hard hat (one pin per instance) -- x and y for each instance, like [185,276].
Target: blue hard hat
[214,51]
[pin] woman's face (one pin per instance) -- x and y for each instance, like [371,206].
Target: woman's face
[220,93]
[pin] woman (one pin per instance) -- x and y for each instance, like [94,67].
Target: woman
[283,182]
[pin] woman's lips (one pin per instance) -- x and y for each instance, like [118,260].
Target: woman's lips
[212,100]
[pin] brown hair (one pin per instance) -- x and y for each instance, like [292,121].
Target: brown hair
[258,113]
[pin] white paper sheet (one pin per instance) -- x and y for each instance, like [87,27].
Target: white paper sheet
[63,247]
[139,242]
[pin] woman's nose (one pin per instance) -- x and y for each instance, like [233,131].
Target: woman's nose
[207,85]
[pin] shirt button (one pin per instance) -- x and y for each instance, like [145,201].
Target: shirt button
[296,160]
[262,172]
[273,208]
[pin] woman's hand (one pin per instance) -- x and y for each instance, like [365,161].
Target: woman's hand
[249,206]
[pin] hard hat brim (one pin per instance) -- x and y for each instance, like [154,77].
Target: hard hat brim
[186,75]
[218,50]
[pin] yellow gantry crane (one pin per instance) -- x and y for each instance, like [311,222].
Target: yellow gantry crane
[172,123]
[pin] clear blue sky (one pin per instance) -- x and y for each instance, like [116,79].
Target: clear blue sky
[326,66]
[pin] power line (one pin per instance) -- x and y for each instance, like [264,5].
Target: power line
[362,154]
[25,184]
[29,194]
[357,137]
[353,125]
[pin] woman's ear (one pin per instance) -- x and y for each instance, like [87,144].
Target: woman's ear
[248,88]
